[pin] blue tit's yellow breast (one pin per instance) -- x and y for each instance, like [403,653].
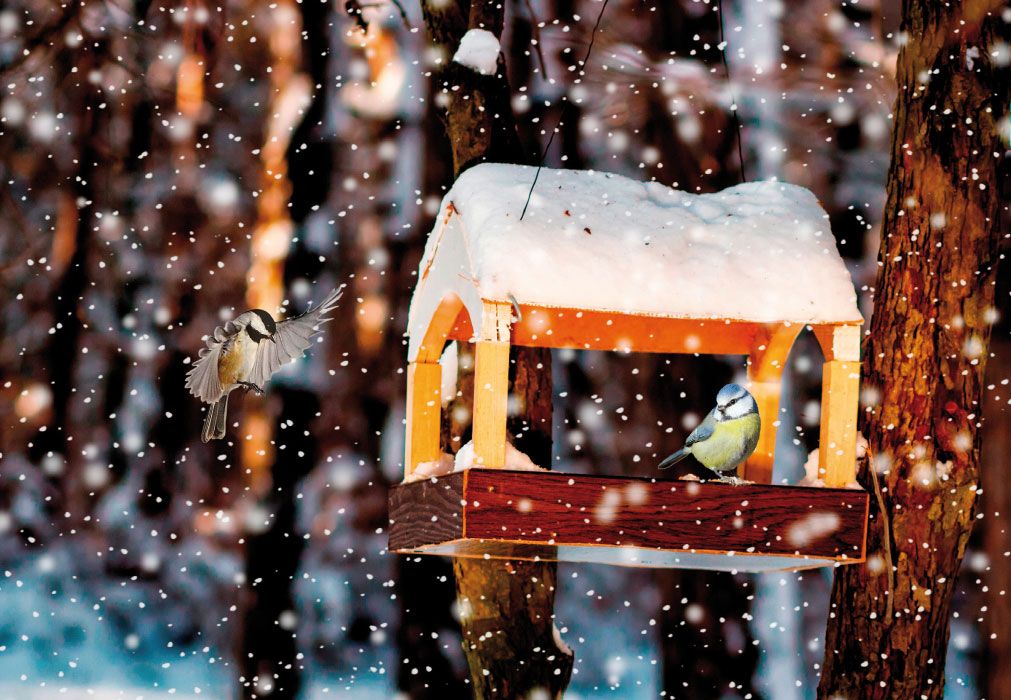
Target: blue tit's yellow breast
[731,443]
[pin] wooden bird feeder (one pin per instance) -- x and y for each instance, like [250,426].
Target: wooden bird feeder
[494,281]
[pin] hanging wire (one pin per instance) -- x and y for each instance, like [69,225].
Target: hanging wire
[734,107]
[551,138]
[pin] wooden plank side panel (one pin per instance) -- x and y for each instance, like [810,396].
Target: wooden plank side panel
[424,512]
[631,516]
[550,327]
[564,509]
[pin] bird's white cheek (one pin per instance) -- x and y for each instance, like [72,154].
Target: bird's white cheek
[737,411]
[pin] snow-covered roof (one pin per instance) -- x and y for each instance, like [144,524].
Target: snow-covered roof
[759,251]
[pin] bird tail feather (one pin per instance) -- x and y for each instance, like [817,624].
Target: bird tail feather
[673,459]
[214,424]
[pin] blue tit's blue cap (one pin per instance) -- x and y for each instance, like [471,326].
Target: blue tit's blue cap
[729,393]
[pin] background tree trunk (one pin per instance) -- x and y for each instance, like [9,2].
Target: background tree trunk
[995,682]
[924,360]
[506,607]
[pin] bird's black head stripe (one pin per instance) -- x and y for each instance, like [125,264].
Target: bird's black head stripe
[268,321]
[256,335]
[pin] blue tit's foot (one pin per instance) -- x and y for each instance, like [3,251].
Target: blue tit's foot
[249,386]
[733,480]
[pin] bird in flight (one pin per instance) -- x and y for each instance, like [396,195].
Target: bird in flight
[724,439]
[245,352]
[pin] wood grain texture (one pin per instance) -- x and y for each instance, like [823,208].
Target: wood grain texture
[550,510]
[427,511]
[758,467]
[424,413]
[766,361]
[839,342]
[582,329]
[840,398]
[491,402]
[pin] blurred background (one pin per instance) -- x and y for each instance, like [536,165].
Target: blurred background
[166,165]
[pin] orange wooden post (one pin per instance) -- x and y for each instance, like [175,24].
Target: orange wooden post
[758,467]
[424,405]
[766,361]
[491,386]
[840,401]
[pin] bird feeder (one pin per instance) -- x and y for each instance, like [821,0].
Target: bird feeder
[601,262]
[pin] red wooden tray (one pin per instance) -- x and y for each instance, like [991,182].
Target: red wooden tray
[628,521]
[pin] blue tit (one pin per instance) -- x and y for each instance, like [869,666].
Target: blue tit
[727,437]
[246,352]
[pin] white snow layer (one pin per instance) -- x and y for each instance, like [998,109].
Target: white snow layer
[464,460]
[514,459]
[479,51]
[759,251]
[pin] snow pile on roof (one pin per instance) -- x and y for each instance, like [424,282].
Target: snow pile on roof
[760,251]
[479,51]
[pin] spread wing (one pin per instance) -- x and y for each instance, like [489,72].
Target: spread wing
[703,431]
[202,379]
[291,339]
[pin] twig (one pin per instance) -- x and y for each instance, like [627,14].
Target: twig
[43,36]
[734,107]
[535,32]
[403,14]
[354,10]
[551,138]
[886,535]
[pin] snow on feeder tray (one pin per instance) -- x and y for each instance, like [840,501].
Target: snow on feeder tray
[602,262]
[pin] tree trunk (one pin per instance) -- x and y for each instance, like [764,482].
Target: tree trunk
[923,362]
[506,607]
[994,680]
[270,661]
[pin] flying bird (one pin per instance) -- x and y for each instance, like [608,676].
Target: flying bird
[724,439]
[245,352]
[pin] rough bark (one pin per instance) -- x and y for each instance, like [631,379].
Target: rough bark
[506,607]
[923,361]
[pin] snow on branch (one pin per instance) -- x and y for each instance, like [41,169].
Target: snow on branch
[478,51]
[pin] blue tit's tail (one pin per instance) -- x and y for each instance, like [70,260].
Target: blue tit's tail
[214,424]
[673,459]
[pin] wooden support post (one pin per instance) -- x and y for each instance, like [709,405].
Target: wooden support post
[840,402]
[491,386]
[758,467]
[766,361]
[424,405]
[840,394]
